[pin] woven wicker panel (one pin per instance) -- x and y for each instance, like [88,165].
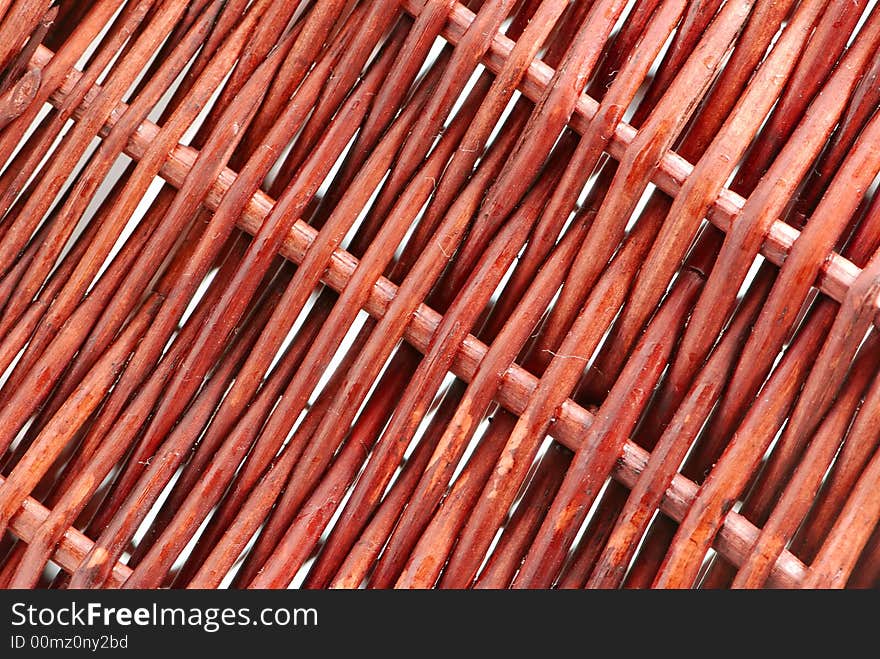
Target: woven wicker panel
[416,293]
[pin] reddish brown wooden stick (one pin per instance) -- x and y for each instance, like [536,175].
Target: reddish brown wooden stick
[300,57]
[231,527]
[306,527]
[18,336]
[672,169]
[792,287]
[363,31]
[72,148]
[19,96]
[352,572]
[255,507]
[374,259]
[860,444]
[180,294]
[199,413]
[87,184]
[16,25]
[467,54]
[766,202]
[833,361]
[642,157]
[601,446]
[78,407]
[563,372]
[430,18]
[20,64]
[832,32]
[394,322]
[551,113]
[273,231]
[596,534]
[125,205]
[800,490]
[694,22]
[426,380]
[669,452]
[429,555]
[239,442]
[72,546]
[711,171]
[863,103]
[523,525]
[861,247]
[100,452]
[217,384]
[340,307]
[733,471]
[722,424]
[471,410]
[837,272]
[331,234]
[866,573]
[850,533]
[610,111]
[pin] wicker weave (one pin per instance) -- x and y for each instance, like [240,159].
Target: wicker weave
[415,293]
